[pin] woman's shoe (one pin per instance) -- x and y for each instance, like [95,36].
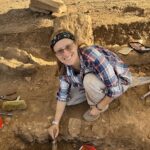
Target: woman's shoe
[89,117]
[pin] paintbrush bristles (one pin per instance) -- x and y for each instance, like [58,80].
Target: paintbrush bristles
[14,105]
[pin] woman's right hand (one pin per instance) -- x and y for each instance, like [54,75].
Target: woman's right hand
[53,130]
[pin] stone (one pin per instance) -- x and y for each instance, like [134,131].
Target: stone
[39,10]
[142,73]
[50,5]
[24,134]
[31,132]
[125,50]
[79,24]
[41,136]
[74,127]
[148,136]
[54,3]
[99,130]
[7,120]
[15,53]
[28,79]
[147,101]
[50,119]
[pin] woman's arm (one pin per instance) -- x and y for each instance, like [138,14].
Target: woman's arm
[59,110]
[105,70]
[54,128]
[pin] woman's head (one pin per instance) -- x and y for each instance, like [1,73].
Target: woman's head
[64,46]
[61,34]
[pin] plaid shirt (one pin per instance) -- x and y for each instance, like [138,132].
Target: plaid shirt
[105,64]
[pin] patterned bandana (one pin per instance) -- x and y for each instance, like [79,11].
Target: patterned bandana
[60,36]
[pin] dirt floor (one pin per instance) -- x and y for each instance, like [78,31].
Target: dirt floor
[30,69]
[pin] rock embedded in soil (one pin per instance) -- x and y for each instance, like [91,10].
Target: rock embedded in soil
[45,6]
[147,101]
[78,24]
[28,79]
[99,130]
[41,136]
[7,120]
[24,134]
[74,127]
[33,132]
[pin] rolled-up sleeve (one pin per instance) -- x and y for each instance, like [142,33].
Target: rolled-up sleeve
[107,74]
[63,92]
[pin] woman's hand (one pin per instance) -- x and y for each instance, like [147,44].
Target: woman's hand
[53,130]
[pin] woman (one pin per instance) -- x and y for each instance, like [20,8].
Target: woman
[91,73]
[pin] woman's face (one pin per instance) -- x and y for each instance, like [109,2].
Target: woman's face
[66,51]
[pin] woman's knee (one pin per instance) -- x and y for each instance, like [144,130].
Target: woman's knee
[94,88]
[91,81]
[88,80]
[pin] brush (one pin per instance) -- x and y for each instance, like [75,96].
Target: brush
[54,144]
[14,105]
